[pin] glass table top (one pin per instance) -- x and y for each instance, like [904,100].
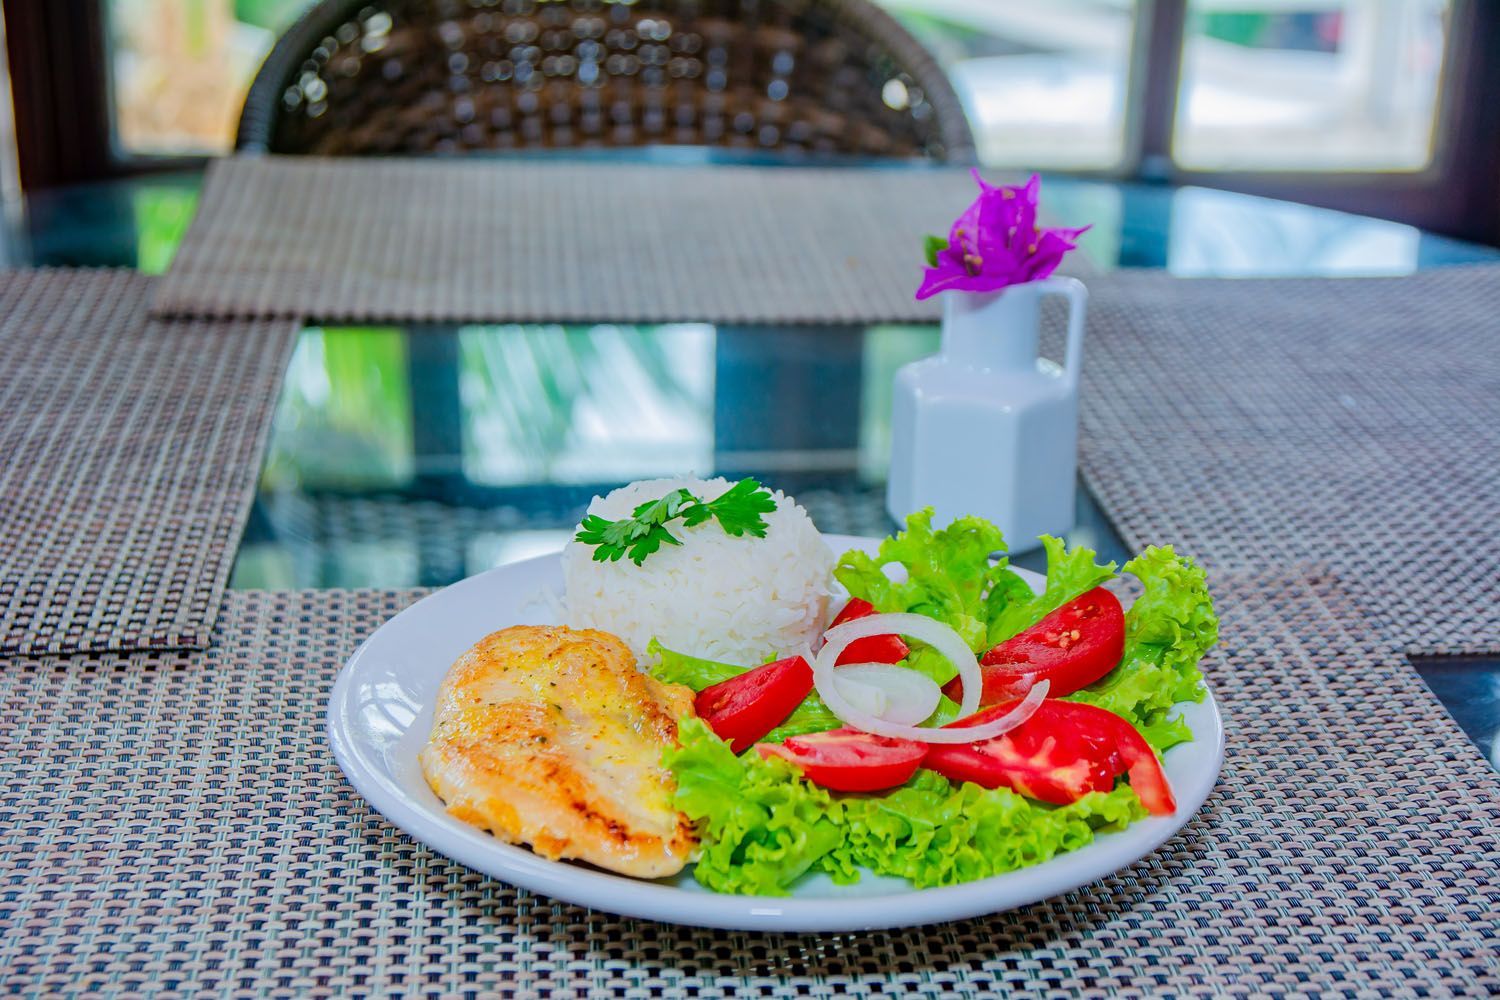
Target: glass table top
[418,455]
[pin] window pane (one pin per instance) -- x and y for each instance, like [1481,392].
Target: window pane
[181,68]
[1310,84]
[1043,83]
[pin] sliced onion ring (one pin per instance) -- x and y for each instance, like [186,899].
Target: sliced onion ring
[929,630]
[945,641]
[896,694]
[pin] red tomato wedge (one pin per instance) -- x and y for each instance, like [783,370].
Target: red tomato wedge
[847,760]
[743,709]
[1072,647]
[871,649]
[856,608]
[1060,754]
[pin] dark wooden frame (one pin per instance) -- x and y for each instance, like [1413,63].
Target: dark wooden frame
[60,85]
[59,77]
[57,61]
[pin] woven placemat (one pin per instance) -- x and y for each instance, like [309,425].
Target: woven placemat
[130,452]
[487,240]
[1350,421]
[174,823]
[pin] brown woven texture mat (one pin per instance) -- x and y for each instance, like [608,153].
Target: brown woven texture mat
[1355,422]
[175,824]
[394,240]
[129,450]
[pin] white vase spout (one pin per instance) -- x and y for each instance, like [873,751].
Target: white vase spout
[985,427]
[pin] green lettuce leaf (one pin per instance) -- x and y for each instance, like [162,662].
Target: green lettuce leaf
[812,716]
[1070,573]
[934,833]
[679,668]
[946,712]
[761,827]
[949,576]
[1167,631]
[926,660]
[948,572]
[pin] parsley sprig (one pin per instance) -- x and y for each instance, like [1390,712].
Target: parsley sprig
[738,511]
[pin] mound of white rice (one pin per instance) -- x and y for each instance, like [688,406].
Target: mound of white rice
[736,600]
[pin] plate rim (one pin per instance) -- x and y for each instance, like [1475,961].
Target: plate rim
[640,898]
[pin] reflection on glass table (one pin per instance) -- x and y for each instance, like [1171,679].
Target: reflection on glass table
[1469,687]
[1223,234]
[584,404]
[421,455]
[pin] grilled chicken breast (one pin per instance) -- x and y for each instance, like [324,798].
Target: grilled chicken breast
[552,737]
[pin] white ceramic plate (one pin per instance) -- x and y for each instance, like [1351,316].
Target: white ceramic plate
[381,711]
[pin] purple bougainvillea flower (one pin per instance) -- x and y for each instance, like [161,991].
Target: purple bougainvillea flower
[995,243]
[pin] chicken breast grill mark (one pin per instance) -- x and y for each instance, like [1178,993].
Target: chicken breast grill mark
[552,737]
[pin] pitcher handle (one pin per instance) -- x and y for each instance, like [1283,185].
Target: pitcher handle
[1078,297]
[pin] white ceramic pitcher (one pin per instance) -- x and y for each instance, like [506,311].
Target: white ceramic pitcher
[986,426]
